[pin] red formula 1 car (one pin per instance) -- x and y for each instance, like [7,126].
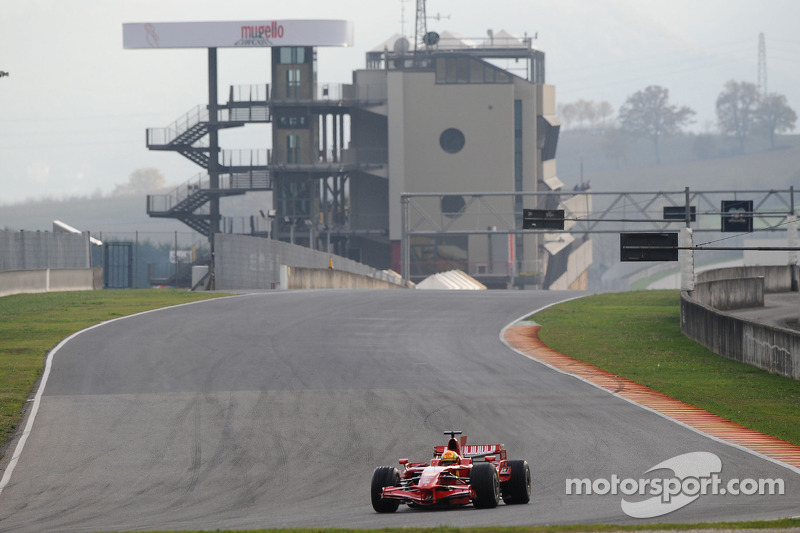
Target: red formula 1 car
[458,474]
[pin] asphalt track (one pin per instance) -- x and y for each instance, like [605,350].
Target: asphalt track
[272,410]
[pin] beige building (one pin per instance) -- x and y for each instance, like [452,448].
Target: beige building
[452,120]
[468,127]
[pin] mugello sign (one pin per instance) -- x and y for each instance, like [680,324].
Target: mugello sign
[254,33]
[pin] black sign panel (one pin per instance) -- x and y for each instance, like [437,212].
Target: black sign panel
[678,212]
[542,219]
[737,216]
[648,246]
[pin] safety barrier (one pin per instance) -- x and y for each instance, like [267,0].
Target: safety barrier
[327,278]
[772,348]
[244,262]
[50,280]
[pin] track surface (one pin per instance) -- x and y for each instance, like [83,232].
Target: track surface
[272,410]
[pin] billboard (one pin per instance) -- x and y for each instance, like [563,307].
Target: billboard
[253,33]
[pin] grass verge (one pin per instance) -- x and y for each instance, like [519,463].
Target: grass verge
[637,335]
[32,324]
[789,523]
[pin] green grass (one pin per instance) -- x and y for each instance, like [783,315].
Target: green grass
[637,335]
[572,528]
[32,324]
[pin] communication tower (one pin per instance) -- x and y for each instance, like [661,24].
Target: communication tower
[762,65]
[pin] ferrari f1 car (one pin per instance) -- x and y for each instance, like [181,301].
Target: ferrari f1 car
[458,474]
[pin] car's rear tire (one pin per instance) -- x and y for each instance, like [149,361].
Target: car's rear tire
[384,476]
[518,488]
[486,484]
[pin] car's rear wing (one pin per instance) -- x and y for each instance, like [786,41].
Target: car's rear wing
[476,450]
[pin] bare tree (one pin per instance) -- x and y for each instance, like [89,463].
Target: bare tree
[736,110]
[648,113]
[774,115]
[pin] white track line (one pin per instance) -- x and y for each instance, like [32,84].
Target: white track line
[699,432]
[48,365]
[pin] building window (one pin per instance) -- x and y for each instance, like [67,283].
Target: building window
[292,121]
[292,149]
[458,69]
[293,83]
[452,140]
[292,55]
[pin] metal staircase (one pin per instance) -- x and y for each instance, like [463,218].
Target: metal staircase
[239,171]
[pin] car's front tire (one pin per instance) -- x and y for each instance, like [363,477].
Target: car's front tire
[518,488]
[384,476]
[486,484]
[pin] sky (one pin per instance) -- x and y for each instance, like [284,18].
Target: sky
[75,105]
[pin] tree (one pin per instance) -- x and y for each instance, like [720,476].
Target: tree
[567,113]
[614,144]
[141,181]
[648,113]
[586,111]
[604,112]
[774,115]
[736,110]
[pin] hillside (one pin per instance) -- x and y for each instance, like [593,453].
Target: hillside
[119,217]
[720,169]
[760,168]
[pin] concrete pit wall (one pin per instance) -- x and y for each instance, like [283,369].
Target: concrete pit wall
[768,347]
[318,278]
[243,263]
[50,280]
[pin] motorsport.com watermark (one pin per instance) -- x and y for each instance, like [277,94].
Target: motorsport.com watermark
[695,474]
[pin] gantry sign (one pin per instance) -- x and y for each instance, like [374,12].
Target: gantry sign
[589,212]
[247,34]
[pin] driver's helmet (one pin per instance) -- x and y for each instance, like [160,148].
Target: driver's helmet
[450,457]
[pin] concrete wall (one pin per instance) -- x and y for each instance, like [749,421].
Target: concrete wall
[50,280]
[776,278]
[771,348]
[29,250]
[318,278]
[725,294]
[244,262]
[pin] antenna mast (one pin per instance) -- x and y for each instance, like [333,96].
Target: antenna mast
[422,24]
[762,65]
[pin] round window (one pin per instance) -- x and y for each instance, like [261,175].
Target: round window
[451,140]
